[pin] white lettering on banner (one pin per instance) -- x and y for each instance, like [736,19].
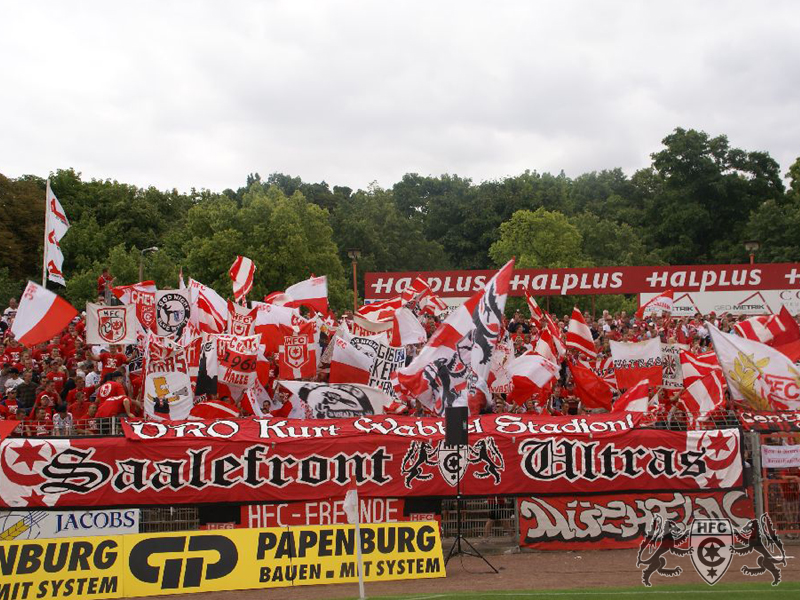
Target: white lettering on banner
[780,457]
[617,519]
[793,276]
[322,512]
[32,524]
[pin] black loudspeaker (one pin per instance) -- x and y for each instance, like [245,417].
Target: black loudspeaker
[455,426]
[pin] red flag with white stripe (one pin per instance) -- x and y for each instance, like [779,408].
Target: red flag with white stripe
[348,363]
[209,309]
[241,273]
[704,396]
[41,316]
[697,366]
[579,336]
[143,296]
[298,352]
[381,312]
[636,399]
[312,292]
[536,312]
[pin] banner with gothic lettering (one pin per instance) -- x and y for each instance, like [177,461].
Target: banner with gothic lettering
[619,520]
[262,460]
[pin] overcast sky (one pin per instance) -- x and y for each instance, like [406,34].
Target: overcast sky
[182,94]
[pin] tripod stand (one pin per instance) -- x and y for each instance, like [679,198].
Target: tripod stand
[457,548]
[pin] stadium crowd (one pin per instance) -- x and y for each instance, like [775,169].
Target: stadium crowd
[64,387]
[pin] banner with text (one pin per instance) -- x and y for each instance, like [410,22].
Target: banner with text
[267,460]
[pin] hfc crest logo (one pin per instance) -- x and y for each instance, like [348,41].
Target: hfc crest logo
[712,544]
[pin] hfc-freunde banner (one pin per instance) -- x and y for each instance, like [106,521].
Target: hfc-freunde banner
[262,460]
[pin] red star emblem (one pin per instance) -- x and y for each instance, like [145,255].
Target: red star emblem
[29,454]
[719,443]
[34,499]
[713,481]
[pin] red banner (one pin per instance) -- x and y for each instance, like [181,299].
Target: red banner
[766,422]
[267,460]
[326,511]
[603,280]
[620,520]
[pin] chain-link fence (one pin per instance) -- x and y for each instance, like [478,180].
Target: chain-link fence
[169,518]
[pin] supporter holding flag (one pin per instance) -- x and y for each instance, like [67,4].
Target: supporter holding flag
[661,305]
[41,316]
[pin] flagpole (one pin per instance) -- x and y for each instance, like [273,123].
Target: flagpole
[44,245]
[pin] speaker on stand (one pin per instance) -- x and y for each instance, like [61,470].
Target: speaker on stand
[456,435]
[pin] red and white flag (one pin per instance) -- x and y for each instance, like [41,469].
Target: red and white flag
[636,399]
[697,366]
[756,373]
[41,316]
[579,336]
[57,225]
[381,311]
[143,296]
[241,272]
[661,305]
[536,312]
[773,330]
[406,329]
[419,294]
[545,347]
[440,351]
[311,292]
[270,319]
[209,312]
[635,361]
[348,363]
[529,374]
[704,396]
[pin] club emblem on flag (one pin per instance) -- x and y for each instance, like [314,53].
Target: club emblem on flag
[111,324]
[712,540]
[172,313]
[296,349]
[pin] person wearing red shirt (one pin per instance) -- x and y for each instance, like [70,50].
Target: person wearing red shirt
[104,283]
[112,398]
[58,375]
[80,386]
[109,361]
[39,424]
[46,399]
[87,424]
[13,352]
[79,406]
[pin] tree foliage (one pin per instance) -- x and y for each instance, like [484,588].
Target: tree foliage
[697,202]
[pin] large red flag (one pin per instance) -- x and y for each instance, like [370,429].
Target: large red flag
[593,391]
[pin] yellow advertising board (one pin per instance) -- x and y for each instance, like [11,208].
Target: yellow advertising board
[202,561]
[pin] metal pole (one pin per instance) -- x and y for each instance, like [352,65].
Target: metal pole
[355,288]
[758,480]
[44,245]
[141,266]
[752,258]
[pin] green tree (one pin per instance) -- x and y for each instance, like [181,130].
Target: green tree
[539,239]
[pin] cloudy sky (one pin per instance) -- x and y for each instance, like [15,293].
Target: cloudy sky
[191,93]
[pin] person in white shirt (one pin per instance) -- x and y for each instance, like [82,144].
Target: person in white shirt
[13,379]
[93,376]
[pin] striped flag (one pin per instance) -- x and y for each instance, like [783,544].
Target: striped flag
[579,336]
[241,273]
[636,399]
[704,396]
[536,312]
[348,363]
[697,366]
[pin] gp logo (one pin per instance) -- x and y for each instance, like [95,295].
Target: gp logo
[162,560]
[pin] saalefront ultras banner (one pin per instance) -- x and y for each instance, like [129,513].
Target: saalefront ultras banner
[194,561]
